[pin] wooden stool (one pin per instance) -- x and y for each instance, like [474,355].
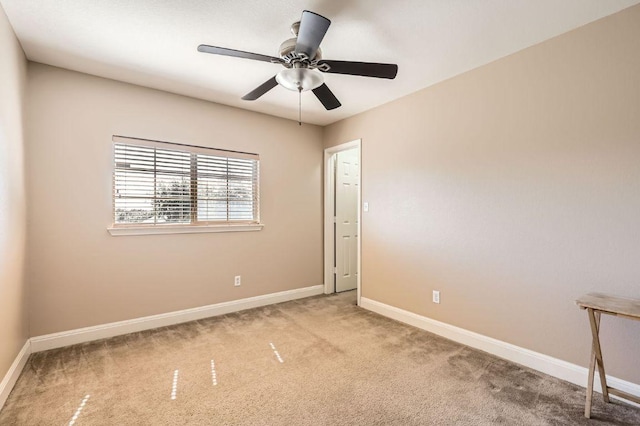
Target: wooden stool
[596,304]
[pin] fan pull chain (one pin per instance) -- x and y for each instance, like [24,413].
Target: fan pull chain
[299,106]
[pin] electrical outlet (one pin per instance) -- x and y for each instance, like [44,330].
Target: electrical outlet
[436,296]
[237,281]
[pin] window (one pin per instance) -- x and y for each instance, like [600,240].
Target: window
[160,184]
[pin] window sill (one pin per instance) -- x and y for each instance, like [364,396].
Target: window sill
[182,229]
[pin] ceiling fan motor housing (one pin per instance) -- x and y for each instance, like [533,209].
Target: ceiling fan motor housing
[288,47]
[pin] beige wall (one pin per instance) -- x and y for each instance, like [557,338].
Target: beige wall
[513,189]
[13,310]
[81,276]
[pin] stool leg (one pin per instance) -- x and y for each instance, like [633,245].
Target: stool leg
[592,368]
[594,320]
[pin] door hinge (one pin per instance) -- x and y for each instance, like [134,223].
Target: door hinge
[335,219]
[335,269]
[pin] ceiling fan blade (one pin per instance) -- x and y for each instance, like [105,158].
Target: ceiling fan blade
[260,90]
[327,97]
[237,53]
[365,69]
[313,27]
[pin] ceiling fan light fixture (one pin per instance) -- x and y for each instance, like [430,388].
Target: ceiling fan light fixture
[299,79]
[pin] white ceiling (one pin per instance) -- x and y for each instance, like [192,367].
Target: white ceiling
[153,42]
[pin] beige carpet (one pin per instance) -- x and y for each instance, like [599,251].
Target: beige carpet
[341,365]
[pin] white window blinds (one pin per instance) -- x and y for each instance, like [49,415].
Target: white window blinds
[160,183]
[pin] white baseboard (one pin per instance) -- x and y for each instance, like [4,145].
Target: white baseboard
[87,334]
[9,380]
[544,363]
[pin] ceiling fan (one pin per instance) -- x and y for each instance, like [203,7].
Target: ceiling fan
[303,64]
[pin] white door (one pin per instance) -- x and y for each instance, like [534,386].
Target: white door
[346,242]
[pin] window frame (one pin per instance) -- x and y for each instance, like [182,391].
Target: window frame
[194,225]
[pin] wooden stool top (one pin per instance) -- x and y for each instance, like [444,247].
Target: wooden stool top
[613,305]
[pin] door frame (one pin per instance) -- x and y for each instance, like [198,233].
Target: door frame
[329,208]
